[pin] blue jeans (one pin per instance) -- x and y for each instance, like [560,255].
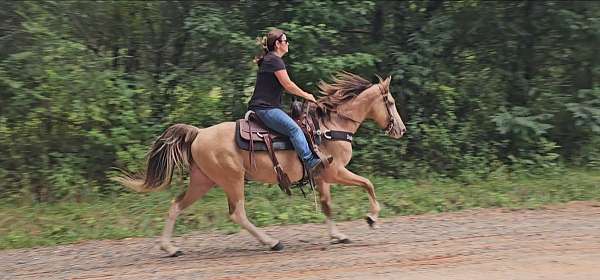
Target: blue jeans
[282,123]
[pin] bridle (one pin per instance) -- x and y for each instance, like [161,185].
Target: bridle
[388,106]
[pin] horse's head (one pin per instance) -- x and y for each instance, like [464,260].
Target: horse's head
[356,99]
[383,109]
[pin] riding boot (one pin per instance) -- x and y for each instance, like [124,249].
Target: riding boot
[316,166]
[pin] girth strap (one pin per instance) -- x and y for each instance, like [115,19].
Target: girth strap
[251,153]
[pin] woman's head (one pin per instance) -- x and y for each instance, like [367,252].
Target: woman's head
[275,41]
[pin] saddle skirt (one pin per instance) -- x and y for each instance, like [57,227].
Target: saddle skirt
[245,130]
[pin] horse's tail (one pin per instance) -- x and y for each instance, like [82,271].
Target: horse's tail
[170,150]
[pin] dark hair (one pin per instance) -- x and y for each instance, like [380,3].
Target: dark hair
[267,43]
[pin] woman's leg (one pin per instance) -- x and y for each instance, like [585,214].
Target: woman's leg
[279,121]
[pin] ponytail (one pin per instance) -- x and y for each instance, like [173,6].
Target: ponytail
[262,42]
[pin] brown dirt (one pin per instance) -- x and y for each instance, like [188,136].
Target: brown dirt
[558,242]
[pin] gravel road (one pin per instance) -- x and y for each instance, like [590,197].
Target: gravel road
[557,242]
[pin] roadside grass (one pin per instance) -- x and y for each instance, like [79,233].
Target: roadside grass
[136,215]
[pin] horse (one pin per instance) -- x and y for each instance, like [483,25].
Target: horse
[213,159]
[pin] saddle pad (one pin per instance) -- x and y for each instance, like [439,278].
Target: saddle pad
[280,143]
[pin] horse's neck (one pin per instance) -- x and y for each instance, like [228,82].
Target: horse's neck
[352,114]
[337,122]
[358,109]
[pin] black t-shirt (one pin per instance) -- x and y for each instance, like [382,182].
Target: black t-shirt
[268,91]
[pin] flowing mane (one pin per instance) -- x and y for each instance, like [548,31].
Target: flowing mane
[345,87]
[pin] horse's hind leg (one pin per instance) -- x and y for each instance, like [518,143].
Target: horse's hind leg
[237,213]
[199,185]
[325,197]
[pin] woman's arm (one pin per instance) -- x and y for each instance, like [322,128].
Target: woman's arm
[291,87]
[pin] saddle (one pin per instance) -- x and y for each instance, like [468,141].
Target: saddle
[251,128]
[252,135]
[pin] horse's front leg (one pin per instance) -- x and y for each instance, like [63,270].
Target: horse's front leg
[346,177]
[325,196]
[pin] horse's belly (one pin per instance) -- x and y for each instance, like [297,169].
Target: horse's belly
[262,170]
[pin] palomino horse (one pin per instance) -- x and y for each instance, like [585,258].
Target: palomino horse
[213,158]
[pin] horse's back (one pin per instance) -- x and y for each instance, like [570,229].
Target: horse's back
[218,132]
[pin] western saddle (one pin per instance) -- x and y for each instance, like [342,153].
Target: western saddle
[252,135]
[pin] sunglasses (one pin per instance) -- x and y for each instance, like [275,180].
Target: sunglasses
[287,41]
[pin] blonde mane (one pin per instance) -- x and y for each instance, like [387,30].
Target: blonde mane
[345,87]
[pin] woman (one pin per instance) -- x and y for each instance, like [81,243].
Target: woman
[271,80]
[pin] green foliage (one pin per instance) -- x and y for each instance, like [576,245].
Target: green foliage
[131,214]
[482,87]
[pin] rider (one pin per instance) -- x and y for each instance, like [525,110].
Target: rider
[271,80]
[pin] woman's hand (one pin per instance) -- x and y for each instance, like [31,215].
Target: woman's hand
[310,97]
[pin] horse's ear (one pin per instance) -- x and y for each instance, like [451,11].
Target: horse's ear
[387,82]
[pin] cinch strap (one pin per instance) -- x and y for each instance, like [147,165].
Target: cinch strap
[336,135]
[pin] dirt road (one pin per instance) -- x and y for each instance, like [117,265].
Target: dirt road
[559,242]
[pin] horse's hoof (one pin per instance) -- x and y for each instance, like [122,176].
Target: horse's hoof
[278,247]
[371,221]
[342,241]
[176,254]
[345,241]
